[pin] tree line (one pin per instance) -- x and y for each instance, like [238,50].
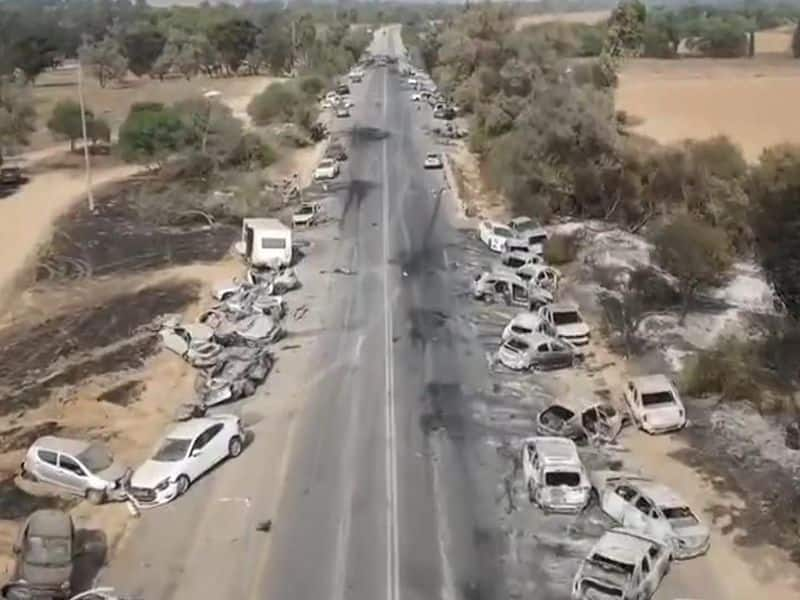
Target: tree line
[545,128]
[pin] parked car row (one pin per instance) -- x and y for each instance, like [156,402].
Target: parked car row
[654,524]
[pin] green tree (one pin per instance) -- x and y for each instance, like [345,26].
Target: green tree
[697,255]
[105,59]
[32,55]
[233,39]
[143,46]
[65,122]
[796,41]
[17,114]
[150,135]
[275,104]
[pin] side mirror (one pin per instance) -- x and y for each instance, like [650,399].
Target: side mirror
[195,452]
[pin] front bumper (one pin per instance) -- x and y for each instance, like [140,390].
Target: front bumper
[681,552]
[149,497]
[659,429]
[511,361]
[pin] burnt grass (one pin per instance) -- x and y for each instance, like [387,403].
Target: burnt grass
[118,237]
[770,514]
[92,340]
[16,504]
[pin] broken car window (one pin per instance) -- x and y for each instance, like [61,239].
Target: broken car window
[658,398]
[65,462]
[643,505]
[172,450]
[568,478]
[680,513]
[566,318]
[609,564]
[626,492]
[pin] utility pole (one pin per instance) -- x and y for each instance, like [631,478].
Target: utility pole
[88,163]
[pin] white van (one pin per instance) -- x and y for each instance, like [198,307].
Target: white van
[266,242]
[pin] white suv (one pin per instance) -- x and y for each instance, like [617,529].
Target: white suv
[554,474]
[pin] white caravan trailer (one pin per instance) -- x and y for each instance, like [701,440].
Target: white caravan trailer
[266,242]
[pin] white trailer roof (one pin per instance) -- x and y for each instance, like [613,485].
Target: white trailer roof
[259,223]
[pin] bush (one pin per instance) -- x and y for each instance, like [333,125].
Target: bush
[275,104]
[312,85]
[252,152]
[729,368]
[150,136]
[561,249]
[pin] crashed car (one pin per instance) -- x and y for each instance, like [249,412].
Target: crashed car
[433,161]
[306,215]
[654,404]
[491,286]
[568,322]
[527,323]
[520,225]
[87,469]
[237,329]
[540,275]
[44,551]
[622,565]
[336,151]
[515,259]
[189,450]
[328,168]
[276,280]
[580,421]
[245,298]
[536,351]
[535,238]
[237,376]
[494,235]
[641,504]
[554,474]
[194,342]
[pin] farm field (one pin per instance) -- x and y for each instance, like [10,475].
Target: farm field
[749,100]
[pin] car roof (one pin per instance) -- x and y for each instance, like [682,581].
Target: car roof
[555,450]
[50,522]
[194,427]
[661,494]
[532,339]
[564,307]
[526,318]
[623,545]
[650,384]
[495,224]
[521,220]
[59,444]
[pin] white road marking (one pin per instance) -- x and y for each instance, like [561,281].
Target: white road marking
[392,576]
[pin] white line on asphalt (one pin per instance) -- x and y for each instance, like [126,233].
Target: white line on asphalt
[392,584]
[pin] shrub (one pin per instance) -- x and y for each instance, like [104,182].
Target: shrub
[274,105]
[312,85]
[561,249]
[729,368]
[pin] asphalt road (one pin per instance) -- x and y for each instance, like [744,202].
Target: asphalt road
[395,476]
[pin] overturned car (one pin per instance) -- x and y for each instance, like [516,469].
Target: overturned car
[237,376]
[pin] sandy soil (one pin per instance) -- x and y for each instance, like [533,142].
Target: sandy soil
[477,201]
[590,17]
[774,41]
[700,98]
[113,101]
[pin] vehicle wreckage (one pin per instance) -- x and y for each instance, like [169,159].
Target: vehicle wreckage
[582,421]
[236,376]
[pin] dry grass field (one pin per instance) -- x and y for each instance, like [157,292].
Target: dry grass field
[590,17]
[752,101]
[114,101]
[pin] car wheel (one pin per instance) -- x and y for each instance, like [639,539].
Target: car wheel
[235,446]
[248,389]
[96,496]
[182,485]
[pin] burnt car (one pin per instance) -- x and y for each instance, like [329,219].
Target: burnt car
[237,376]
[44,550]
[336,151]
[580,421]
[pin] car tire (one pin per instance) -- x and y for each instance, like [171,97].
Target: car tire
[182,484]
[248,389]
[96,496]
[235,447]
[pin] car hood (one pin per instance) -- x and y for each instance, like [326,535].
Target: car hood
[573,329]
[692,534]
[151,473]
[50,577]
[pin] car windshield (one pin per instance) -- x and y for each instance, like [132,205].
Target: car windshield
[609,564]
[305,210]
[568,478]
[521,329]
[679,513]
[517,344]
[567,317]
[514,262]
[172,450]
[658,399]
[96,458]
[589,585]
[502,232]
[539,238]
[48,551]
[325,164]
[433,156]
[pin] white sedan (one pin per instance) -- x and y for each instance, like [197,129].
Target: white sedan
[644,505]
[188,451]
[494,235]
[654,404]
[433,161]
[327,169]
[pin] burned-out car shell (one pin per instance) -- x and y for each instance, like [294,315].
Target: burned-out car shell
[580,421]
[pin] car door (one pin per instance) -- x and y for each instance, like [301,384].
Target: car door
[47,466]
[639,517]
[542,356]
[617,501]
[648,580]
[659,559]
[217,445]
[658,525]
[561,355]
[71,474]
[202,456]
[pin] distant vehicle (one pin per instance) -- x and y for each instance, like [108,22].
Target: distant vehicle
[494,235]
[580,420]
[326,169]
[416,97]
[306,215]
[11,176]
[342,112]
[498,285]
[447,113]
[44,550]
[433,161]
[540,275]
[536,351]
[356,76]
[536,239]
[342,89]
[623,564]
[554,474]
[267,242]
[515,259]
[188,451]
[641,504]
[521,225]
[527,323]
[654,404]
[412,81]
[568,322]
[87,469]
